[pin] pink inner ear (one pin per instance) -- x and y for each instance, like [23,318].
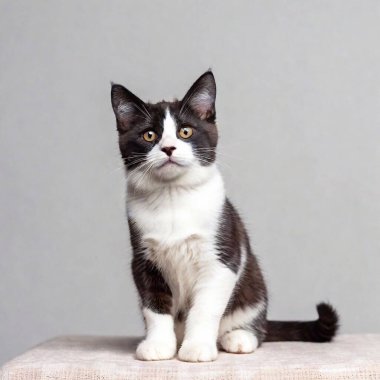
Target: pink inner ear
[202,103]
[125,109]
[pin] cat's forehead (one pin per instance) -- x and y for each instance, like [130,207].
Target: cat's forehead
[161,108]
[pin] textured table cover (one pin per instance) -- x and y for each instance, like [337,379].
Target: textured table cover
[112,358]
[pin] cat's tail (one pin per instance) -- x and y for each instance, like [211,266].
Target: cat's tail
[321,330]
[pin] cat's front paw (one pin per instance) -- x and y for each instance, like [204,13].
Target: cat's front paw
[197,351]
[150,349]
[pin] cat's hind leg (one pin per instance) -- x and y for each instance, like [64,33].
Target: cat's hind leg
[242,330]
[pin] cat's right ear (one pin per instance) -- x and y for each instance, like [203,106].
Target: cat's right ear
[126,106]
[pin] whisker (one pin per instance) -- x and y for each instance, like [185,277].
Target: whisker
[147,111]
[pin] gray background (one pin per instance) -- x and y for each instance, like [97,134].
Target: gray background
[299,115]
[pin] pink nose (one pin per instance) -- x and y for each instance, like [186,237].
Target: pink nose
[168,150]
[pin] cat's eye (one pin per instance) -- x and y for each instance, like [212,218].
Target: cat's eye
[186,132]
[150,136]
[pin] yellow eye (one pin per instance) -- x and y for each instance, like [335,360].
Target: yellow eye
[186,132]
[150,136]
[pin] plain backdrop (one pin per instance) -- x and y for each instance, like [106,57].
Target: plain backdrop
[298,108]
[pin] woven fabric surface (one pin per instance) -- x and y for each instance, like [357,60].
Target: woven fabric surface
[112,358]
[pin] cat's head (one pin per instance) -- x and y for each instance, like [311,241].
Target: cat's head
[167,140]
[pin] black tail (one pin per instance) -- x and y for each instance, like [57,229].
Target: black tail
[321,330]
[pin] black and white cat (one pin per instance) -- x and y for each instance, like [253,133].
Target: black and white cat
[199,282]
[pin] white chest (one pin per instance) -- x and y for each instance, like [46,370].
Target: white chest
[178,229]
[181,265]
[171,215]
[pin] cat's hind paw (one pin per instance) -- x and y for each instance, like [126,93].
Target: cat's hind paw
[150,349]
[239,342]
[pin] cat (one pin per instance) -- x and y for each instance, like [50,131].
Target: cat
[199,283]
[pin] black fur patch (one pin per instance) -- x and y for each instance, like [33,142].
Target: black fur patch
[321,330]
[153,290]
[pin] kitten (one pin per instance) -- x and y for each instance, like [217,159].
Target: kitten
[198,280]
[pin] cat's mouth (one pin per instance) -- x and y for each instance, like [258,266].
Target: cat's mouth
[168,163]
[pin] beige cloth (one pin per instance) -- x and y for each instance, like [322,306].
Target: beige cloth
[112,358]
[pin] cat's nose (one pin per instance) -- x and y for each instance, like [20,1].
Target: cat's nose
[168,150]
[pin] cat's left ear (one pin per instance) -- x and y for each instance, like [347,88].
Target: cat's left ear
[201,97]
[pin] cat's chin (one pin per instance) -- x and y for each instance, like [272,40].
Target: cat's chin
[170,171]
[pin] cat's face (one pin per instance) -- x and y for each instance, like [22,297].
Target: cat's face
[165,141]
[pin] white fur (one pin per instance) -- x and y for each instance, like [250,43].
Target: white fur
[169,136]
[177,210]
[198,351]
[239,342]
[210,297]
[160,342]
[243,260]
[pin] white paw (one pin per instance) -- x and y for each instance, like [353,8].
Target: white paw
[196,351]
[239,342]
[150,349]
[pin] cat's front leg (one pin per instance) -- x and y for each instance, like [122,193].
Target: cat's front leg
[160,342]
[211,295]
